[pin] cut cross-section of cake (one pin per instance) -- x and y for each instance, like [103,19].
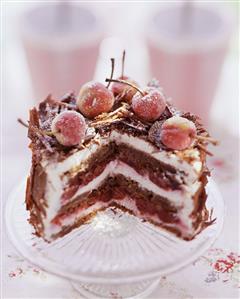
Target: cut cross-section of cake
[146,160]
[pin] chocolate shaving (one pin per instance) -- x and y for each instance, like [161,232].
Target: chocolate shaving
[155,132]
[167,113]
[210,221]
[45,141]
[136,124]
[69,98]
[197,121]
[115,115]
[203,148]
[90,133]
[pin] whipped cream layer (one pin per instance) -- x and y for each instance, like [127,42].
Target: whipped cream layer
[188,162]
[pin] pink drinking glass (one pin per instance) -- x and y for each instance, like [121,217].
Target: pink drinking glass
[187,47]
[61,43]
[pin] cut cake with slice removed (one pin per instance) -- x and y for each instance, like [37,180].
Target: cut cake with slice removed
[120,163]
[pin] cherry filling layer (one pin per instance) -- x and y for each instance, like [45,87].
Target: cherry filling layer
[116,189]
[161,174]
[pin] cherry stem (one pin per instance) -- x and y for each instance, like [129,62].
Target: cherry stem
[113,63]
[127,83]
[208,139]
[22,123]
[123,62]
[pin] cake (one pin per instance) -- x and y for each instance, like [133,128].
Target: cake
[118,152]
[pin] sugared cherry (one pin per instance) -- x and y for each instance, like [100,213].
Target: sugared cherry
[178,133]
[124,91]
[69,128]
[149,105]
[94,98]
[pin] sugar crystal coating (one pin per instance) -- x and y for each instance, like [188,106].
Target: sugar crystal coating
[150,106]
[178,133]
[94,98]
[69,128]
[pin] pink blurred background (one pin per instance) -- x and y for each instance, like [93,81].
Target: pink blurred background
[195,58]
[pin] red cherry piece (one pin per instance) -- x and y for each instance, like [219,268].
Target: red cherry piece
[94,98]
[69,128]
[123,90]
[178,133]
[150,106]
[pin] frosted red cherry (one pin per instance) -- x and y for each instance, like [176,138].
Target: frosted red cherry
[178,133]
[69,128]
[94,98]
[149,105]
[124,91]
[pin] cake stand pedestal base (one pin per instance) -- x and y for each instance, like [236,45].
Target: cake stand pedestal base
[126,291]
[116,255]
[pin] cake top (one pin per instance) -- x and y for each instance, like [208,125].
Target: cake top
[59,128]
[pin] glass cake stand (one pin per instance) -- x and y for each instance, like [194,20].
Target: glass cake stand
[116,255]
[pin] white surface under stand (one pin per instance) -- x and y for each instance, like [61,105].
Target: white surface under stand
[116,254]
